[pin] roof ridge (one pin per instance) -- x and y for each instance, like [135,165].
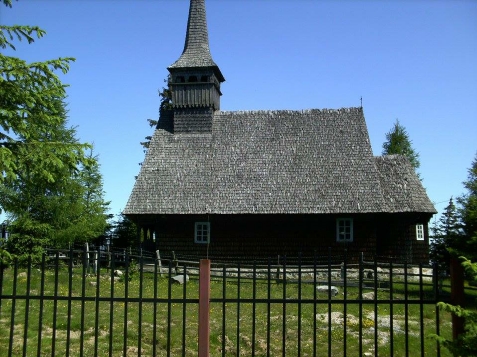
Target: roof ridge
[289,111]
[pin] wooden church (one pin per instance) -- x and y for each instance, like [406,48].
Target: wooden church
[254,184]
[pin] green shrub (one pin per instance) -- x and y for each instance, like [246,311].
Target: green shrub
[466,344]
[5,257]
[28,239]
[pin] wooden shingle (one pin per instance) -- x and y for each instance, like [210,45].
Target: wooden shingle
[310,161]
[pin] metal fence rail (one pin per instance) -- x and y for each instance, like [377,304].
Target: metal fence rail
[82,303]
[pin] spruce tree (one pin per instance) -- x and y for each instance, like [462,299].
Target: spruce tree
[465,248]
[29,95]
[124,233]
[444,234]
[398,142]
[42,164]
[467,245]
[166,104]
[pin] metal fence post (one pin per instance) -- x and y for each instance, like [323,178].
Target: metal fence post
[457,295]
[204,301]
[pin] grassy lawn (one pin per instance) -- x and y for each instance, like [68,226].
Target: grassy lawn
[151,322]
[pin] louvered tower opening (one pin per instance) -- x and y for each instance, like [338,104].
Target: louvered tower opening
[195,78]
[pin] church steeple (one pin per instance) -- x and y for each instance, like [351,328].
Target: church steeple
[196,51]
[195,78]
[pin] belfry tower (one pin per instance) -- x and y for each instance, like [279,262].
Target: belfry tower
[195,78]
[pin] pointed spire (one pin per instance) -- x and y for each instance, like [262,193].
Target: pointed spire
[196,48]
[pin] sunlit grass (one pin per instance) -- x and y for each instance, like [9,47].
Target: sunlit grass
[91,315]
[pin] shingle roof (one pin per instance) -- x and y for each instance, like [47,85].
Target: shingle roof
[311,161]
[196,48]
[401,187]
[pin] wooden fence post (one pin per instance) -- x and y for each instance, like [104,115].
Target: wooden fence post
[159,262]
[96,259]
[204,303]
[87,256]
[457,295]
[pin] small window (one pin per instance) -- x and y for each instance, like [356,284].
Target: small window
[193,79]
[344,230]
[419,232]
[204,79]
[180,79]
[202,232]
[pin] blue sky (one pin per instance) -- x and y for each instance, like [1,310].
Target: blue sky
[409,60]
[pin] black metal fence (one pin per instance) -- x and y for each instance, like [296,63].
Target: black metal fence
[79,303]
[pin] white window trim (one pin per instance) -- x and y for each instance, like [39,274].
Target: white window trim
[420,232]
[339,234]
[200,225]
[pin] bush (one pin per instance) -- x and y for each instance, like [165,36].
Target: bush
[5,258]
[28,239]
[466,344]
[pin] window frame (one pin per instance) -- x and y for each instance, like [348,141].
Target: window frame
[199,228]
[348,225]
[420,236]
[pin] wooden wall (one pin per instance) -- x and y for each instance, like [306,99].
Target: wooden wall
[261,236]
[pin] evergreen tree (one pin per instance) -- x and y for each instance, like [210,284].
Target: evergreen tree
[44,169]
[466,343]
[85,218]
[145,144]
[28,239]
[398,142]
[444,233]
[467,245]
[124,233]
[166,104]
[29,95]
[65,210]
[166,96]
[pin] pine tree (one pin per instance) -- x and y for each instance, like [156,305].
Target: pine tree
[84,217]
[124,233]
[166,96]
[68,209]
[466,343]
[166,104]
[398,142]
[29,95]
[444,234]
[467,246]
[464,246]
[42,164]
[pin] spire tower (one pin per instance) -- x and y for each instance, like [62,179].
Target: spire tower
[195,78]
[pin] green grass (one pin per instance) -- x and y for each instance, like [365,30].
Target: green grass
[263,327]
